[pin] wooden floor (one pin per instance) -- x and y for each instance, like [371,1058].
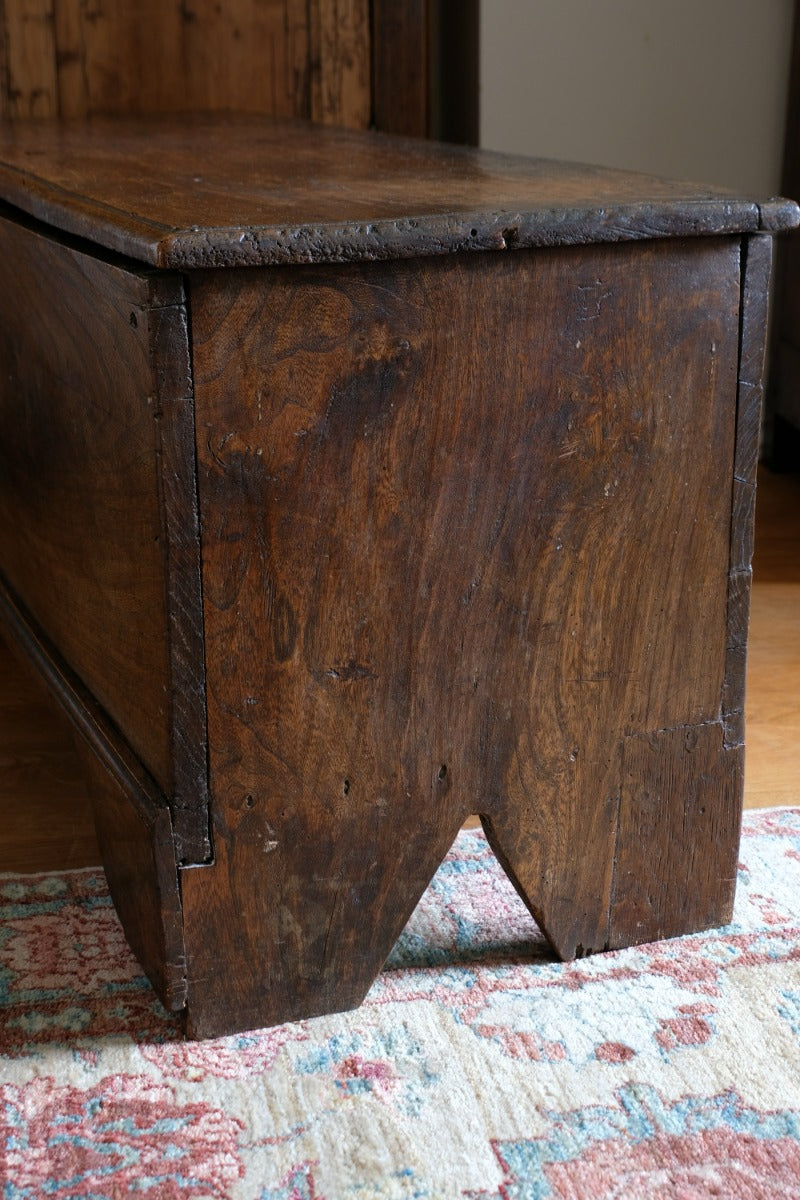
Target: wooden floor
[45,821]
[772,770]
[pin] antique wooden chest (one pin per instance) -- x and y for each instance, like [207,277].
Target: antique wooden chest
[350,486]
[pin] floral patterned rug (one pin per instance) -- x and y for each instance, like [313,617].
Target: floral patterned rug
[477,1067]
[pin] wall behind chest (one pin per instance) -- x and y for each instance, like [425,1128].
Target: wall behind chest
[671,87]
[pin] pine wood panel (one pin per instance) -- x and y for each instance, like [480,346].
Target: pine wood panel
[303,58]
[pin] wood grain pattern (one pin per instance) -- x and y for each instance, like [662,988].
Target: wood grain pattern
[286,57]
[46,821]
[365,546]
[80,527]
[451,579]
[29,53]
[752,354]
[339,37]
[271,192]
[681,798]
[131,816]
[662,804]
[98,521]
[137,845]
[167,330]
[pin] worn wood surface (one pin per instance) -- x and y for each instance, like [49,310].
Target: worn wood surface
[752,354]
[98,524]
[228,191]
[301,58]
[80,526]
[678,836]
[46,822]
[670,775]
[173,411]
[446,534]
[137,845]
[132,818]
[441,579]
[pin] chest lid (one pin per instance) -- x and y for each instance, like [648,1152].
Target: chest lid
[228,191]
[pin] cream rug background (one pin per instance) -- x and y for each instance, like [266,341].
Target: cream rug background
[477,1067]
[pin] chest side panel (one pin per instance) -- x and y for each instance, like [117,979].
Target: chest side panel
[80,522]
[465,530]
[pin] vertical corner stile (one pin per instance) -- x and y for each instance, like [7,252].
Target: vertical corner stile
[756,262]
[176,453]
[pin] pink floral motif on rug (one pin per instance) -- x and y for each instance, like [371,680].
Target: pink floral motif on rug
[478,1067]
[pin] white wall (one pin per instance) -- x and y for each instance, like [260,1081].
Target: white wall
[695,89]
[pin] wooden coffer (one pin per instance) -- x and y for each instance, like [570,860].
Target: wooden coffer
[350,486]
